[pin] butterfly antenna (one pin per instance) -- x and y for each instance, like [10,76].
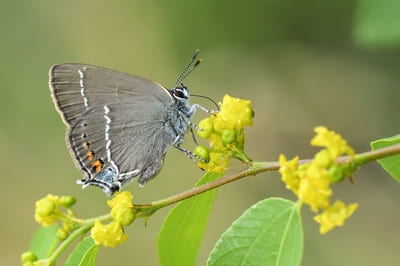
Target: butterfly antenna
[188,68]
[208,98]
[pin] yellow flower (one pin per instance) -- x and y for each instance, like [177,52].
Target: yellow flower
[225,132]
[288,171]
[314,188]
[121,198]
[334,143]
[311,182]
[322,159]
[235,113]
[217,164]
[334,216]
[216,141]
[109,235]
[122,209]
[123,214]
[46,212]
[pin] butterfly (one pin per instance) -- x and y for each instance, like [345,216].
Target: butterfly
[120,126]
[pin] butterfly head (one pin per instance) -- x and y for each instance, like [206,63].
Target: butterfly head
[180,93]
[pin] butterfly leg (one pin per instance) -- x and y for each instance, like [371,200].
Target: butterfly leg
[192,125]
[193,135]
[195,126]
[195,106]
[190,154]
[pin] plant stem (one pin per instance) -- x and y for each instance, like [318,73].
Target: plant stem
[83,229]
[75,234]
[257,167]
[145,210]
[377,154]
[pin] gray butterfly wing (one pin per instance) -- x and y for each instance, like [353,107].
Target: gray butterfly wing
[118,125]
[76,87]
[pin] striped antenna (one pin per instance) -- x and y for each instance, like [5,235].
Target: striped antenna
[188,68]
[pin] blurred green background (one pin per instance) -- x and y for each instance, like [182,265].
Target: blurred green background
[302,63]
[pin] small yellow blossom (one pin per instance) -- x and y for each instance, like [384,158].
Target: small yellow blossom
[123,214]
[217,164]
[225,132]
[109,235]
[216,141]
[334,216]
[288,171]
[46,211]
[235,113]
[122,209]
[314,187]
[334,143]
[121,198]
[323,159]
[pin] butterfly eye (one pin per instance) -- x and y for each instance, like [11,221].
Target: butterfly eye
[180,93]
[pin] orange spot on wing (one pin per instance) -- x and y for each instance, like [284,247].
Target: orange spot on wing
[86,145]
[97,165]
[90,155]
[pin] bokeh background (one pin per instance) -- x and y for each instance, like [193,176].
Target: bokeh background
[302,63]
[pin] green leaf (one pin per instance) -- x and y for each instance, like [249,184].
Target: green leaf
[390,164]
[84,254]
[269,233]
[44,240]
[377,23]
[181,234]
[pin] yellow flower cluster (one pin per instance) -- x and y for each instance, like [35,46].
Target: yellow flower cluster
[225,132]
[47,211]
[332,141]
[334,215]
[311,182]
[123,214]
[108,235]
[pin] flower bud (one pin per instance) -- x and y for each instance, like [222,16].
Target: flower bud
[61,234]
[228,136]
[336,173]
[45,207]
[67,201]
[206,127]
[202,152]
[28,256]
